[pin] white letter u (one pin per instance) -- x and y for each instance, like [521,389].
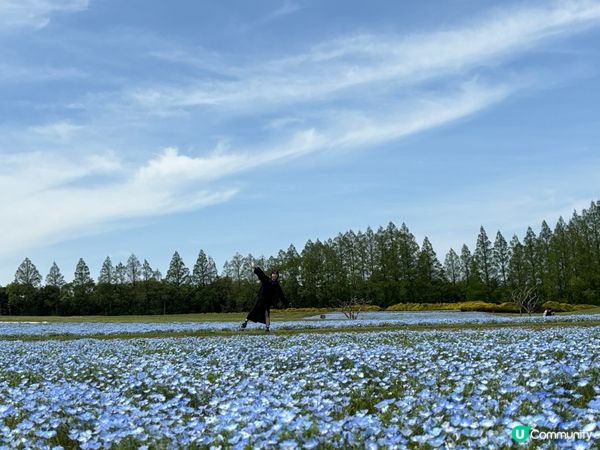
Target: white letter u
[520,434]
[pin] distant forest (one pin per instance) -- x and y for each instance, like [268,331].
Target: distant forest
[385,267]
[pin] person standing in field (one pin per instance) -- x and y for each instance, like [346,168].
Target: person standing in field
[268,295]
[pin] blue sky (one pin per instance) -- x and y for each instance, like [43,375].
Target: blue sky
[147,127]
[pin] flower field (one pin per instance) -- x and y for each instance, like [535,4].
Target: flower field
[371,319]
[392,389]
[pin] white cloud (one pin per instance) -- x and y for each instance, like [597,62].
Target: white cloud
[35,13]
[47,198]
[44,197]
[288,7]
[388,60]
[59,131]
[285,9]
[507,205]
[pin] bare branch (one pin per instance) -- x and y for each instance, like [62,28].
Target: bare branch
[351,308]
[527,299]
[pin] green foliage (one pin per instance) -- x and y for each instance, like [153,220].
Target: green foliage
[565,307]
[482,306]
[28,274]
[178,274]
[386,267]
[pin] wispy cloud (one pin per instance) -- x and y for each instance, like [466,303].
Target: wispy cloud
[509,205]
[367,59]
[350,93]
[17,73]
[47,198]
[59,131]
[38,185]
[288,7]
[35,13]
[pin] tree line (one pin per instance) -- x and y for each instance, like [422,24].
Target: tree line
[385,267]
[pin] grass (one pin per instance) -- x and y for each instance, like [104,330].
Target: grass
[482,306]
[595,310]
[276,315]
[286,332]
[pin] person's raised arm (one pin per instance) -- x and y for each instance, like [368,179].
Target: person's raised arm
[260,274]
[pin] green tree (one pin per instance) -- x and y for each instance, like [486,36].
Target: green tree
[82,274]
[28,274]
[483,257]
[4,310]
[237,268]
[501,258]
[178,274]
[290,272]
[54,277]
[429,274]
[133,269]
[120,274]
[407,254]
[517,271]
[452,267]
[465,262]
[107,272]
[560,261]
[530,258]
[82,289]
[546,280]
[147,272]
[205,270]
[23,299]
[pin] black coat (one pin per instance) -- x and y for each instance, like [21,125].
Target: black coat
[268,295]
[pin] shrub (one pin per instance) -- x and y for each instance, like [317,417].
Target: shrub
[565,307]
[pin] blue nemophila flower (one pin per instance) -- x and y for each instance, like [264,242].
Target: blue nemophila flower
[451,389]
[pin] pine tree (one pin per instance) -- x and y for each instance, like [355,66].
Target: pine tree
[312,273]
[28,274]
[560,259]
[428,264]
[236,268]
[147,272]
[530,256]
[134,269]
[408,253]
[213,274]
[178,274]
[594,228]
[54,277]
[249,262]
[82,274]
[465,262]
[120,274]
[157,275]
[543,259]
[516,266]
[452,266]
[501,259]
[205,271]
[107,272]
[371,262]
[483,256]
